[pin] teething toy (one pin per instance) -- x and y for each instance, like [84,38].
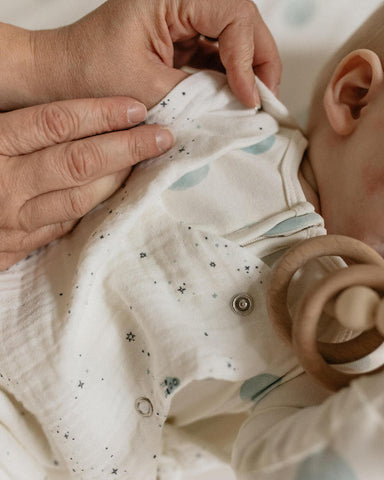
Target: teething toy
[379,317]
[356,304]
[355,308]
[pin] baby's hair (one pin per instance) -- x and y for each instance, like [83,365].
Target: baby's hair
[369,35]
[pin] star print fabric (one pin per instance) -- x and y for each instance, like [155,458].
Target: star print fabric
[103,329]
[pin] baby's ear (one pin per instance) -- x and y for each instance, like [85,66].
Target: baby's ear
[354,84]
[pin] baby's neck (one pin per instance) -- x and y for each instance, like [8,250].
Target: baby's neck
[308,183]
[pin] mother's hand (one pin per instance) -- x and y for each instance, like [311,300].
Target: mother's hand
[57,162]
[135,47]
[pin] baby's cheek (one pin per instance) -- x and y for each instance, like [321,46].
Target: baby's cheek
[372,177]
[367,225]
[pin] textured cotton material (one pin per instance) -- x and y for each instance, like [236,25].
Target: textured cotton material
[121,355]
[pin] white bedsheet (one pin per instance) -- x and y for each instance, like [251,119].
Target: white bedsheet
[307,32]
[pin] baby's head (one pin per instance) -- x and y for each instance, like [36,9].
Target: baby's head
[346,136]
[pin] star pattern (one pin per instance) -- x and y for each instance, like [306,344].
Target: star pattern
[130,337]
[170,383]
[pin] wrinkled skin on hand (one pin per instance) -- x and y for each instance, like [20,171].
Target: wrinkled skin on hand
[58,161]
[134,48]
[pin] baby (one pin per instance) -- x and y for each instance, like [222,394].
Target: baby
[140,347]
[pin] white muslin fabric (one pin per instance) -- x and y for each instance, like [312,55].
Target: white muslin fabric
[123,353]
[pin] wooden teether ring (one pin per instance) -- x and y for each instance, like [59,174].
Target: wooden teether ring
[305,327]
[294,259]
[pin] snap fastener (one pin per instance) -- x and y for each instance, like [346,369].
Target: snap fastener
[144,407]
[242,304]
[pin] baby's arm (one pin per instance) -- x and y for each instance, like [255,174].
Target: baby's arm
[340,437]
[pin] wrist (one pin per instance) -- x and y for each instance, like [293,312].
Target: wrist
[16,66]
[34,67]
[54,66]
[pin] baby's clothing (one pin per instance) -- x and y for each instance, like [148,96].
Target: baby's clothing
[139,345]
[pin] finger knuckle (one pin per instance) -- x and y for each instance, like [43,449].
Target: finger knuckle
[24,225]
[138,148]
[13,241]
[9,207]
[24,242]
[7,184]
[62,229]
[238,56]
[83,160]
[246,9]
[107,116]
[57,123]
[9,221]
[5,139]
[78,203]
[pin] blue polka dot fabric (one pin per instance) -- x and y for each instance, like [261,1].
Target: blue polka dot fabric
[299,12]
[325,465]
[256,387]
[190,179]
[261,147]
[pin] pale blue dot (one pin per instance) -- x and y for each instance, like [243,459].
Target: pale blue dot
[261,147]
[190,179]
[294,224]
[255,387]
[299,12]
[325,465]
[214,295]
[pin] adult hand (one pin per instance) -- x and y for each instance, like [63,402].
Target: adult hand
[57,162]
[127,47]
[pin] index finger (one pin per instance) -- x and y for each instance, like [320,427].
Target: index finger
[34,128]
[247,47]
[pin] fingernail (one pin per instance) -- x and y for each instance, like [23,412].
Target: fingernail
[164,139]
[256,98]
[275,91]
[136,112]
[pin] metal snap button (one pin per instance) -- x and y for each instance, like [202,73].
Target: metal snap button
[242,304]
[144,406]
